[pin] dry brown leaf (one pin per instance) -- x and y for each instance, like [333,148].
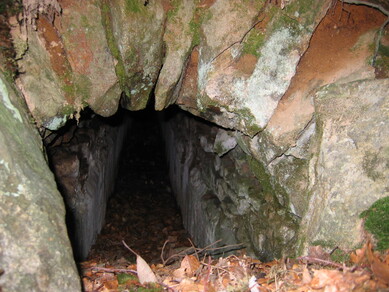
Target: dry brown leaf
[325,278]
[306,276]
[380,269]
[145,274]
[87,284]
[318,253]
[386,260]
[179,273]
[111,284]
[225,280]
[190,264]
[358,256]
[188,285]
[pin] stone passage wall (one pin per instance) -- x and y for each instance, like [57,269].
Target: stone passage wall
[35,252]
[85,163]
[222,192]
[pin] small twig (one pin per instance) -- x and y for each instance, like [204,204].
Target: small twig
[333,250]
[376,6]
[187,251]
[162,251]
[113,270]
[180,254]
[194,247]
[129,248]
[198,251]
[240,245]
[217,268]
[320,261]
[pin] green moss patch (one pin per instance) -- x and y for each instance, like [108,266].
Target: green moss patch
[377,222]
[112,44]
[200,16]
[10,7]
[134,6]
[173,11]
[253,42]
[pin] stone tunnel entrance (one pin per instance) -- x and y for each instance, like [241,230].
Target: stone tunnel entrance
[120,177]
[114,177]
[298,89]
[142,210]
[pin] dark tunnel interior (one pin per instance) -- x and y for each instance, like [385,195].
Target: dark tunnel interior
[140,205]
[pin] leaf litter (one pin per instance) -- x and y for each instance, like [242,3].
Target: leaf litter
[366,270]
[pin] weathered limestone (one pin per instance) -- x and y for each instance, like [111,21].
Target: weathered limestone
[35,251]
[86,164]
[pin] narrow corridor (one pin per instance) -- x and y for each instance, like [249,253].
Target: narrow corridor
[142,211]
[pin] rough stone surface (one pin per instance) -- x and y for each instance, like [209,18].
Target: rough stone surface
[134,32]
[352,161]
[245,61]
[87,50]
[178,39]
[248,66]
[227,196]
[68,65]
[35,252]
[85,165]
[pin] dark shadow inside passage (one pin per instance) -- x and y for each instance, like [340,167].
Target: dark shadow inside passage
[113,175]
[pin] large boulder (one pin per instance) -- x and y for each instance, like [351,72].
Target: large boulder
[351,164]
[35,252]
[245,57]
[134,32]
[66,64]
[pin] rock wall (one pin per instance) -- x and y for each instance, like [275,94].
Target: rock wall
[350,166]
[85,161]
[263,70]
[35,252]
[223,193]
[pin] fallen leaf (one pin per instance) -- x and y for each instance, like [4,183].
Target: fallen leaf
[188,285]
[145,274]
[318,253]
[190,264]
[306,276]
[380,269]
[179,273]
[325,278]
[358,256]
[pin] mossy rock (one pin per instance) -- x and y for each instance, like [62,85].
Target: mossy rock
[377,222]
